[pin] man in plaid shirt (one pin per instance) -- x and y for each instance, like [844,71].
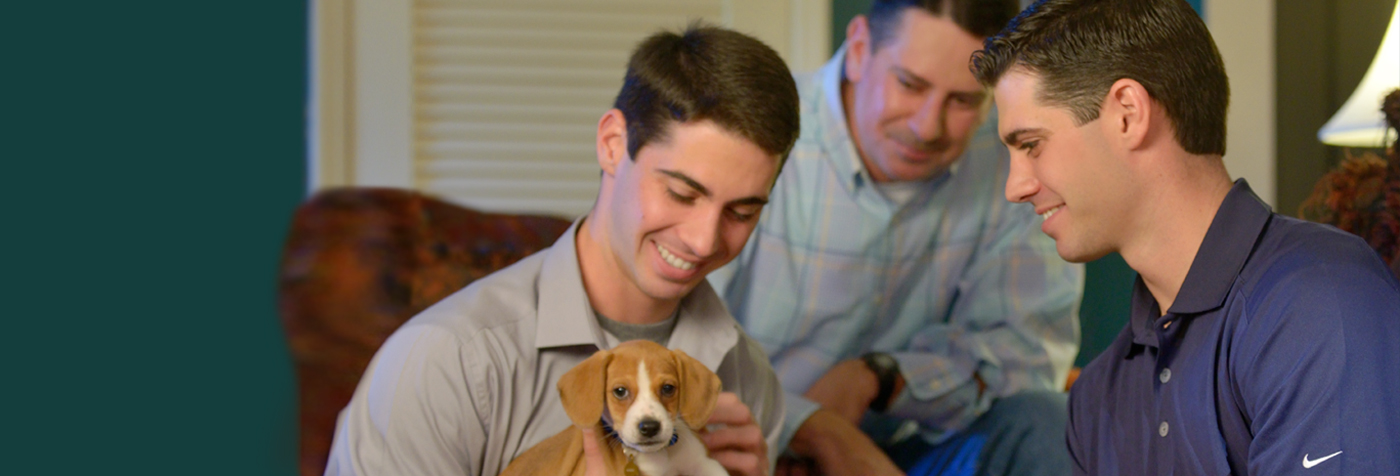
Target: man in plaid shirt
[917,320]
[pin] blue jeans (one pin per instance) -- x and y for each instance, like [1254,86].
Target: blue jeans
[1021,435]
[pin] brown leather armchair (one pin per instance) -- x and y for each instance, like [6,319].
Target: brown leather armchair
[358,262]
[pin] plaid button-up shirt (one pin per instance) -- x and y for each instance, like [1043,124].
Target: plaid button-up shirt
[954,281]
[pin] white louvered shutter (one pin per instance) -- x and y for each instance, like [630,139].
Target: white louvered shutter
[507,94]
[494,104]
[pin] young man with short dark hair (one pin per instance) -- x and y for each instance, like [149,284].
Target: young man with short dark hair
[1257,344]
[916,319]
[689,154]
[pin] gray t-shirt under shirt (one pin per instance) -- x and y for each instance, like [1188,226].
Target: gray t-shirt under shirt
[659,332]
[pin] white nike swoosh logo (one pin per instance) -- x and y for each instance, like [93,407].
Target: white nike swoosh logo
[1310,463]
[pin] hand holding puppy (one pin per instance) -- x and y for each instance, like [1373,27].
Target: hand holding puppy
[738,445]
[592,458]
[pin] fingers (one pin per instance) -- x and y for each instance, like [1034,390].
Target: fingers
[741,450]
[741,463]
[736,442]
[592,457]
[747,438]
[729,410]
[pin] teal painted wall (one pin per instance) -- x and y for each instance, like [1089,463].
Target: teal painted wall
[1199,5]
[1108,290]
[152,154]
[842,11]
[1109,281]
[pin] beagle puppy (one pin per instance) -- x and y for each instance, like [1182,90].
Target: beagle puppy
[644,403]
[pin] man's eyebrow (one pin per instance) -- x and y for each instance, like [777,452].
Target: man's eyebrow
[1013,138]
[755,200]
[688,181]
[971,97]
[759,201]
[920,82]
[910,76]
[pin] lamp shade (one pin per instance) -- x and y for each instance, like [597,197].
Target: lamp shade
[1360,123]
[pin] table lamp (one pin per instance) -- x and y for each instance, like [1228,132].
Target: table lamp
[1360,123]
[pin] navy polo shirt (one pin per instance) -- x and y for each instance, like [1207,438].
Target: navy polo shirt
[1280,355]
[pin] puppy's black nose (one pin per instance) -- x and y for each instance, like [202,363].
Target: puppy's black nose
[649,427]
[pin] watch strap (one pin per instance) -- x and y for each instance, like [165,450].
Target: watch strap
[886,369]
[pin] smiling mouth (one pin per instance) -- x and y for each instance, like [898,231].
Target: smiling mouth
[1050,212]
[917,150]
[673,260]
[917,154]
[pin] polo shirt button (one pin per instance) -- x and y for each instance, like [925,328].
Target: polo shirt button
[1162,430]
[1165,375]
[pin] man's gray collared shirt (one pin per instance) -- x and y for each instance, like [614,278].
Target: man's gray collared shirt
[469,384]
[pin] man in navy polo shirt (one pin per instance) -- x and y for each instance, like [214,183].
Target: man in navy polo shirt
[1258,344]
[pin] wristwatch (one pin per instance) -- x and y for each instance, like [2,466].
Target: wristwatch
[886,370]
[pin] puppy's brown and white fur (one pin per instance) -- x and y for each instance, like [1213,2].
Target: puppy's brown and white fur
[648,393]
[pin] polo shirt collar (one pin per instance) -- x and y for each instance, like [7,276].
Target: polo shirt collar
[1227,245]
[1237,226]
[704,328]
[1142,315]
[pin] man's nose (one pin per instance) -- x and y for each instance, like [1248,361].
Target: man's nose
[1021,184]
[702,234]
[927,122]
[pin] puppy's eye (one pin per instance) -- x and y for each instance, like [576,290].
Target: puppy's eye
[620,393]
[668,390]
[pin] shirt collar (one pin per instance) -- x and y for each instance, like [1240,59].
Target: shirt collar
[835,136]
[1143,314]
[565,317]
[704,328]
[1238,224]
[1228,243]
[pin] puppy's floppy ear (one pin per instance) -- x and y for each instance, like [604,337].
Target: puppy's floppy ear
[699,390]
[581,389]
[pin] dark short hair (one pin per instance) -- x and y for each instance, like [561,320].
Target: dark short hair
[1079,48]
[980,18]
[709,73]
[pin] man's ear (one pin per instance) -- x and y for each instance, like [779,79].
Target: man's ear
[699,390]
[1129,110]
[858,46]
[581,389]
[612,140]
